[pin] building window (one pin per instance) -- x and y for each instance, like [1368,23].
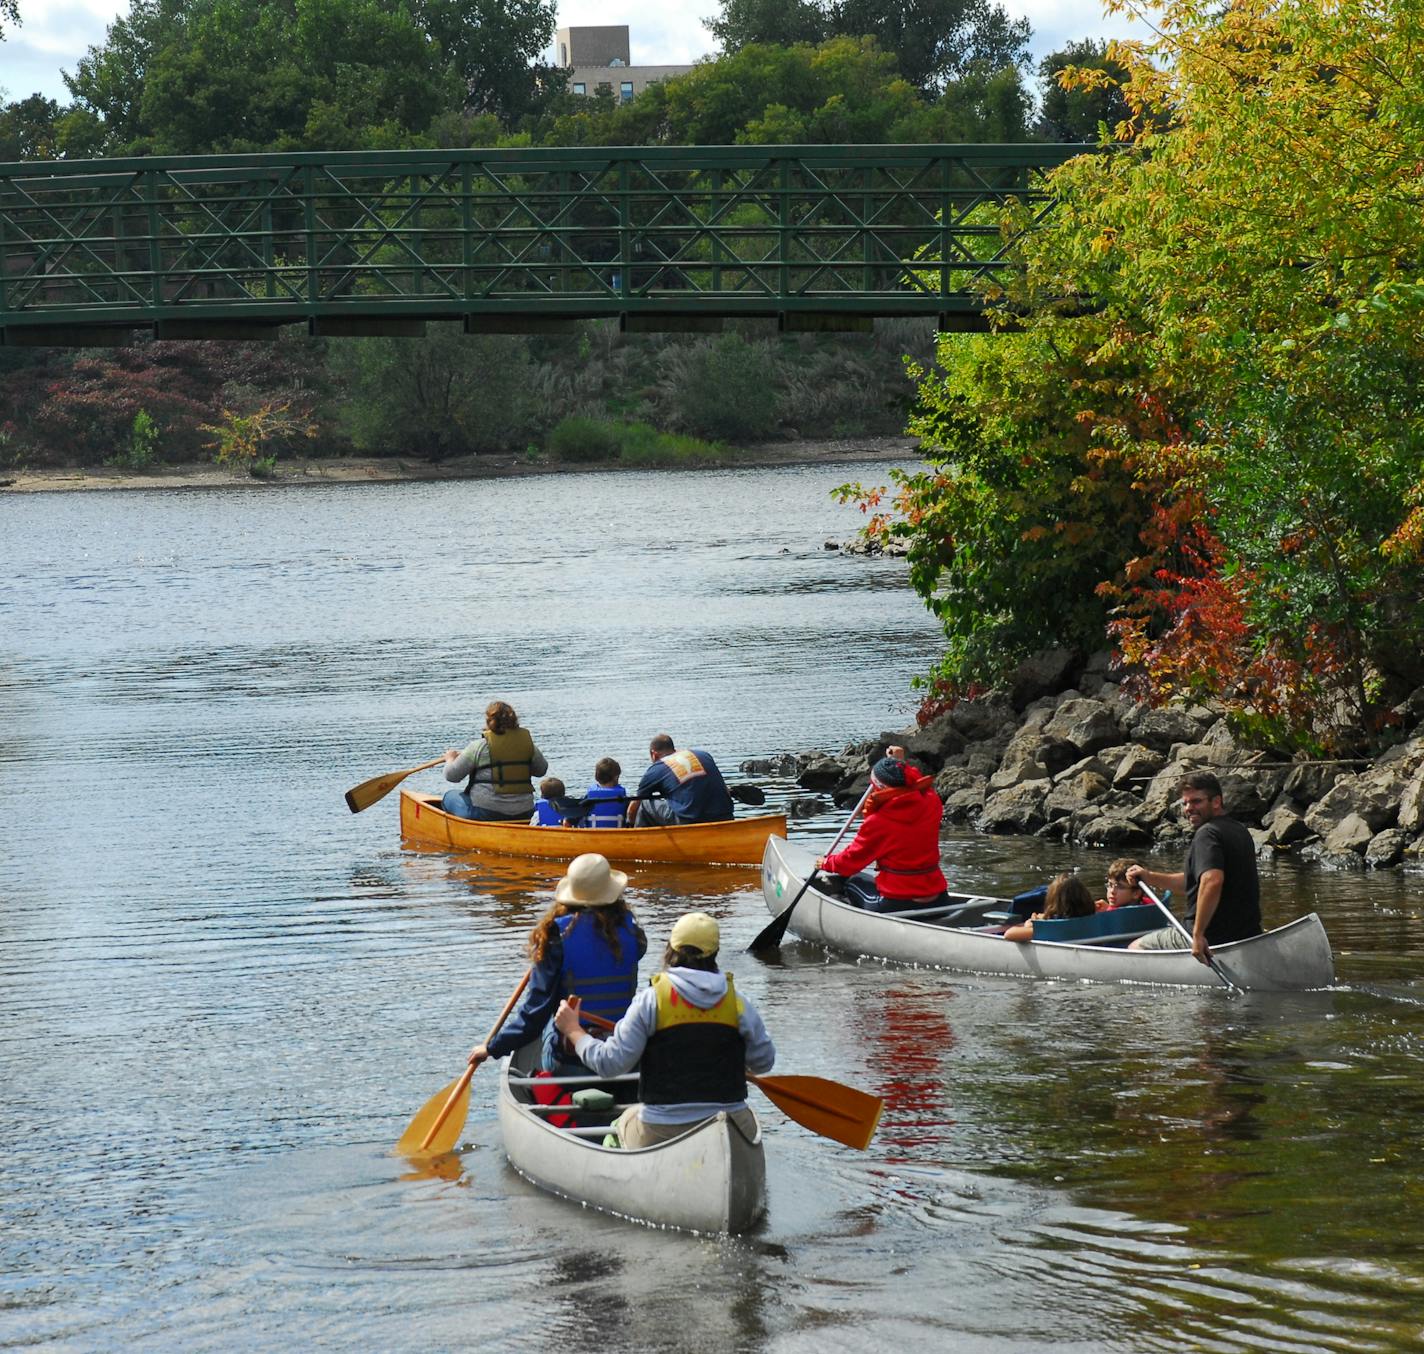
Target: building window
[604,87]
[580,87]
[625,91]
[563,54]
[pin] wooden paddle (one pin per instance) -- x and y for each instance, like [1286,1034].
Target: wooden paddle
[769,937]
[829,1108]
[438,1123]
[378,787]
[1172,917]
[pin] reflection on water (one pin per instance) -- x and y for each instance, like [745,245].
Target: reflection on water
[223,996]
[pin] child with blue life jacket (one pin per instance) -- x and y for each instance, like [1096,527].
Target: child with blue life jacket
[546,813]
[691,1036]
[1067,896]
[609,800]
[588,946]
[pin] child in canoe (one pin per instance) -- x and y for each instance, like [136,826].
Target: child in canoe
[692,1037]
[1121,892]
[586,945]
[1067,896]
[609,798]
[546,811]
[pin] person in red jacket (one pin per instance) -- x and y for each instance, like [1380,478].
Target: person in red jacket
[900,834]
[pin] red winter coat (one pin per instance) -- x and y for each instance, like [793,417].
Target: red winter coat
[900,833]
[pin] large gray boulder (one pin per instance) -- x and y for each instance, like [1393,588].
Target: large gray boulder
[1078,767]
[1372,795]
[1034,758]
[940,738]
[1115,831]
[1162,799]
[980,719]
[1137,763]
[1248,794]
[953,779]
[1043,674]
[1016,809]
[1352,833]
[822,775]
[1285,826]
[964,804]
[1160,728]
[1386,849]
[1411,803]
[1074,794]
[1088,724]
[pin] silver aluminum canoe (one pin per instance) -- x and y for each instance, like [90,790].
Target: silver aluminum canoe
[710,1180]
[1292,957]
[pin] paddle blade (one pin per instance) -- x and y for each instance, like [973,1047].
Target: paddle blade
[838,1112]
[449,1131]
[369,791]
[748,794]
[769,937]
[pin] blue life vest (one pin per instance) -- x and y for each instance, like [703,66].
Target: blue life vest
[591,971]
[605,814]
[547,814]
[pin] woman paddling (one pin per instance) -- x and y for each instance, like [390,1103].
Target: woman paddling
[501,765]
[587,945]
[900,834]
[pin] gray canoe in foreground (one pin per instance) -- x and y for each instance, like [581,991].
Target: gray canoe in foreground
[1292,957]
[710,1180]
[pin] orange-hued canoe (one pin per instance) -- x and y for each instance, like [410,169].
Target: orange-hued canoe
[738,841]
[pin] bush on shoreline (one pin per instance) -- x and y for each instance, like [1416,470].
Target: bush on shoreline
[583,440]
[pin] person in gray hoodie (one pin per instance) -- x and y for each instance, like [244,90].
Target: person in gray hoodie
[692,1037]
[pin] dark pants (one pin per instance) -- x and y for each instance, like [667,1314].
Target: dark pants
[861,892]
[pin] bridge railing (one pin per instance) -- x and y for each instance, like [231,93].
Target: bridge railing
[505,237]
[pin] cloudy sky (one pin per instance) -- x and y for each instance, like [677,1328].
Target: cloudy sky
[54,34]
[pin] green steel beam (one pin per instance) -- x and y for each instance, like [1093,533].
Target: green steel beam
[382,241]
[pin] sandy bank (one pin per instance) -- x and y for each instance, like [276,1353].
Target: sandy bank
[385,470]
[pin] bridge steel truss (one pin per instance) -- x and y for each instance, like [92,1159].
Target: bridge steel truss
[522,240]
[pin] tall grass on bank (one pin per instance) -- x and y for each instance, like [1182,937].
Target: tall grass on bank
[583,440]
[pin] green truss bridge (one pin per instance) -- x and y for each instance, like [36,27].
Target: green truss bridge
[814,237]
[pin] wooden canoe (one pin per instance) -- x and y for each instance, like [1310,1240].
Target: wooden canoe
[738,841]
[1292,957]
[710,1180]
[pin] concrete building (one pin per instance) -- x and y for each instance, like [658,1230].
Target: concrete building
[599,61]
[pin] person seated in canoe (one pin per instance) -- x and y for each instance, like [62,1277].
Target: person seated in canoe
[587,945]
[682,785]
[501,765]
[609,800]
[691,1036]
[1067,896]
[900,834]
[1121,891]
[547,812]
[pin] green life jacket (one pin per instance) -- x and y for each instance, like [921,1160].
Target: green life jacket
[511,754]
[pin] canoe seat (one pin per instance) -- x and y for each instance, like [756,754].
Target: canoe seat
[1116,927]
[949,914]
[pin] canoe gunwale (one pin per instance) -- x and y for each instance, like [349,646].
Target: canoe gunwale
[1293,957]
[734,841]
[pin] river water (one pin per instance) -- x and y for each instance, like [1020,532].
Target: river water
[223,996]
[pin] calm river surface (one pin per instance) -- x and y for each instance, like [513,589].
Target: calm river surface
[222,996]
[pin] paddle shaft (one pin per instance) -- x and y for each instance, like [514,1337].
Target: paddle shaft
[770,935]
[1172,917]
[470,1067]
[776,1088]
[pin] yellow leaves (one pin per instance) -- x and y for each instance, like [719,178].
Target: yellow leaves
[1105,240]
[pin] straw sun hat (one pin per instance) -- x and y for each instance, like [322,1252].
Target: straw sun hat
[590,882]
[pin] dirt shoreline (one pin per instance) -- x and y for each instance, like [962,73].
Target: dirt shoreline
[393,470]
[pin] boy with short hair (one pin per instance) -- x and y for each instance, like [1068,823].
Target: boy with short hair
[1122,892]
[609,798]
[545,813]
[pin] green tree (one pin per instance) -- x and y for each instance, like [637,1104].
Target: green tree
[9,12]
[1077,112]
[1206,435]
[28,129]
[933,42]
[495,47]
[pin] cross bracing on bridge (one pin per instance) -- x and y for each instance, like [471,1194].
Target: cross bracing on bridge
[362,242]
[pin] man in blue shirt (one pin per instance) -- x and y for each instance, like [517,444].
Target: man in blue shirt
[685,787]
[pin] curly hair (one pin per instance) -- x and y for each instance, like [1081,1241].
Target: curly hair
[608,920]
[500,717]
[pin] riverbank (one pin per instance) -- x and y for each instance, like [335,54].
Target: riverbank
[1062,753]
[386,470]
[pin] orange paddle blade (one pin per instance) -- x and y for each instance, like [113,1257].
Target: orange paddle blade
[838,1112]
[412,1142]
[362,796]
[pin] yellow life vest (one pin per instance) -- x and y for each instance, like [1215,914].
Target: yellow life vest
[511,756]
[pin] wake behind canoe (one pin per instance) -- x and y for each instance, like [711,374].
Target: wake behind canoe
[737,841]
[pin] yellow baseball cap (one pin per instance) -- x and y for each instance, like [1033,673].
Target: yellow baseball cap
[696,931]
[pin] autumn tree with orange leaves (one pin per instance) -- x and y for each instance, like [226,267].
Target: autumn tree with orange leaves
[1204,441]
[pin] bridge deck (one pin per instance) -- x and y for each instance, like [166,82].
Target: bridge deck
[662,237]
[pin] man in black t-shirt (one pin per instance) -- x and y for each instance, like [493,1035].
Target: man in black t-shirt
[1222,886]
